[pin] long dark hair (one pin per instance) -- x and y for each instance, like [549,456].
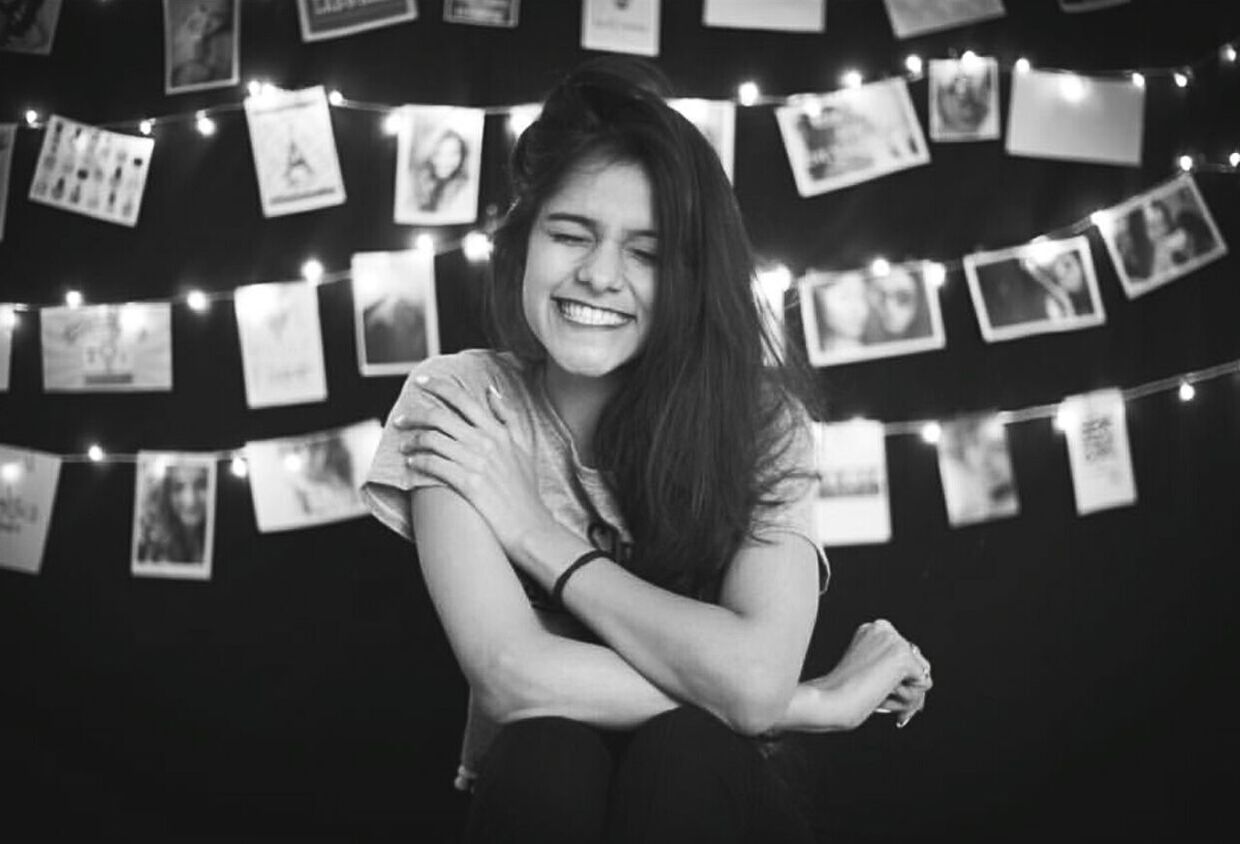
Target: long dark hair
[693,441]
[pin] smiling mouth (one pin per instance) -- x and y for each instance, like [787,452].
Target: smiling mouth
[583,314]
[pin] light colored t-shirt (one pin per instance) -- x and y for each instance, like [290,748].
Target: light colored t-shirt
[577,495]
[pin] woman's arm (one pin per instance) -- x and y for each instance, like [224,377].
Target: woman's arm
[513,664]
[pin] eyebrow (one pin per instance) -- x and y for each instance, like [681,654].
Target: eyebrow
[589,223]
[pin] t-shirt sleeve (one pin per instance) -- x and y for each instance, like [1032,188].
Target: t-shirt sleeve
[385,491]
[792,498]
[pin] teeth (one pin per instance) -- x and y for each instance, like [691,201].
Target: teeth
[585,315]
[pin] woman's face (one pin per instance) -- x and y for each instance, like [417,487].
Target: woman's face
[447,156]
[845,306]
[895,300]
[591,268]
[1157,221]
[187,494]
[1068,272]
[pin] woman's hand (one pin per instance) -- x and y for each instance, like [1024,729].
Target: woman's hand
[879,672]
[474,451]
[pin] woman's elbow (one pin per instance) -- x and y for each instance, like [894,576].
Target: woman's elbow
[505,686]
[758,703]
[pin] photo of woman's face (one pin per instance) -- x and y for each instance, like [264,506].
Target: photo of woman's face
[447,156]
[1157,223]
[845,307]
[1068,272]
[187,493]
[895,300]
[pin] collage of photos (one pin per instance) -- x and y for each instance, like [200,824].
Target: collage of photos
[863,314]
[438,165]
[201,44]
[852,135]
[1038,288]
[1160,236]
[394,310]
[174,515]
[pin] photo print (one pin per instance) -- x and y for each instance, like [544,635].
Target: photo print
[1096,429]
[1088,5]
[863,314]
[917,17]
[621,26]
[852,135]
[6,351]
[964,99]
[394,310]
[1160,236]
[299,482]
[27,491]
[782,15]
[281,343]
[200,44]
[438,165]
[482,12]
[976,470]
[8,137]
[320,20]
[716,119]
[91,171]
[29,26]
[852,505]
[107,348]
[294,151]
[1070,117]
[1041,287]
[173,515]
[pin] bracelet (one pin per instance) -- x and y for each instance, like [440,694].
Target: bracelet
[558,589]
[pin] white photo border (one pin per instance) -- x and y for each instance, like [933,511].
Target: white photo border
[181,569]
[431,315]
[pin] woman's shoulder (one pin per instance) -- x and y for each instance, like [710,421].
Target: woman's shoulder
[472,370]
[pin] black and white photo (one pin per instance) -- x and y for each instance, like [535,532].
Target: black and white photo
[8,137]
[294,151]
[918,17]
[394,309]
[872,313]
[1160,236]
[964,99]
[438,165]
[28,26]
[281,343]
[321,20]
[28,481]
[107,348]
[201,40]
[852,505]
[1073,117]
[851,135]
[482,12]
[92,171]
[1044,286]
[716,119]
[975,467]
[621,26]
[174,515]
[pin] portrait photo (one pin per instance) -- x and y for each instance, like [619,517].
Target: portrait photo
[851,135]
[394,310]
[976,469]
[310,480]
[200,44]
[438,165]
[334,20]
[862,314]
[482,12]
[964,99]
[1161,236]
[174,515]
[917,17]
[1037,288]
[28,26]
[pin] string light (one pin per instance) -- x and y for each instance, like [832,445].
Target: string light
[852,79]
[1185,162]
[335,98]
[914,65]
[312,271]
[205,125]
[254,87]
[197,301]
[1061,421]
[11,473]
[1022,65]
[1234,159]
[393,122]
[931,432]
[880,267]
[1187,391]
[520,118]
[293,463]
[133,319]
[145,127]
[8,317]
[1099,218]
[32,117]
[476,246]
[1228,53]
[748,92]
[773,282]
[1181,79]
[1138,79]
[95,453]
[936,274]
[73,298]
[970,60]
[1072,87]
[239,467]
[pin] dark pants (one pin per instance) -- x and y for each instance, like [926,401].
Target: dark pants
[681,777]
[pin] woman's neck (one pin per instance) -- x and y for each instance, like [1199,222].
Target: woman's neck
[579,400]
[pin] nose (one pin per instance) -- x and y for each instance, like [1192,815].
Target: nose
[602,268]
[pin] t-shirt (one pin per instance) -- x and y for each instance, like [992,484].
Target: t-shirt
[577,495]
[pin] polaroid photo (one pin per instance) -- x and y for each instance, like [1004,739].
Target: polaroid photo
[8,138]
[860,315]
[964,99]
[782,15]
[852,135]
[27,491]
[482,12]
[621,26]
[173,515]
[716,120]
[281,343]
[1072,117]
[918,17]
[394,310]
[107,348]
[976,470]
[438,165]
[294,151]
[1041,287]
[320,20]
[92,171]
[29,26]
[852,505]
[1088,5]
[1160,236]
[201,40]
[6,353]
[299,482]
[1096,430]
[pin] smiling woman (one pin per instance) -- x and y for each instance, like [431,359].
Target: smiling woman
[612,509]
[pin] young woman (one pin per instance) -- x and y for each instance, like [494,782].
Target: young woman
[611,512]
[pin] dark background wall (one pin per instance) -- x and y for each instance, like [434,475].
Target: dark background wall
[1085,667]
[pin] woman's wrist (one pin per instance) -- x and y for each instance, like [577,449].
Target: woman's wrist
[546,551]
[810,710]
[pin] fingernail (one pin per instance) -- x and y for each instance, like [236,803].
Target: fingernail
[495,390]
[401,419]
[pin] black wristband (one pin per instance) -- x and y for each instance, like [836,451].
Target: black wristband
[558,589]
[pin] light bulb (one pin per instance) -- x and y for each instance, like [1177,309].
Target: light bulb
[32,117]
[931,432]
[239,467]
[73,299]
[1187,391]
[936,274]
[336,98]
[8,317]
[1181,79]
[1185,162]
[880,267]
[1138,79]
[11,473]
[1228,53]
[424,240]
[1234,159]
[851,79]
[95,453]
[205,125]
[312,271]
[393,122]
[197,301]
[748,93]
[145,127]
[476,246]
[914,65]
[1022,65]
